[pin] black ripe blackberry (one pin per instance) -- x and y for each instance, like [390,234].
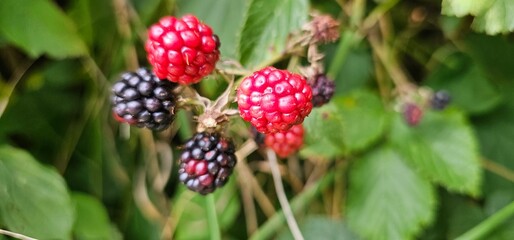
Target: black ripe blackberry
[142,99]
[206,162]
[440,100]
[322,89]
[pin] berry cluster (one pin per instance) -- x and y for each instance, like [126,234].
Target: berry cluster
[141,99]
[182,50]
[274,100]
[206,162]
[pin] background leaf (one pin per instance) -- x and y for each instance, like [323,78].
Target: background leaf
[357,70]
[92,221]
[322,132]
[492,17]
[347,124]
[363,119]
[39,27]
[266,27]
[35,201]
[387,199]
[495,133]
[467,84]
[320,227]
[227,27]
[442,148]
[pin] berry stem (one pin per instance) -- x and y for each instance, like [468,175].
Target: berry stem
[481,230]
[348,39]
[5,95]
[212,218]
[15,235]
[300,202]
[384,53]
[282,198]
[234,71]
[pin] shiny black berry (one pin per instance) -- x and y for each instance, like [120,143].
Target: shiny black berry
[322,89]
[206,162]
[440,100]
[141,99]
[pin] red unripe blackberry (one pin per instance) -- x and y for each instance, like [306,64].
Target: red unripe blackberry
[285,143]
[206,162]
[274,100]
[182,50]
[141,99]
[412,114]
[322,89]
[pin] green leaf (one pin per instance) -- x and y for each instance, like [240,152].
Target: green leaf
[493,59]
[80,12]
[44,131]
[467,84]
[442,148]
[146,9]
[322,148]
[227,27]
[35,201]
[321,227]
[363,119]
[459,214]
[346,124]
[92,221]
[356,71]
[491,17]
[39,27]
[386,198]
[462,8]
[193,215]
[322,133]
[495,132]
[266,27]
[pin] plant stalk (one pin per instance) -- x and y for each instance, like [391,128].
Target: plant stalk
[481,230]
[212,218]
[300,202]
[348,39]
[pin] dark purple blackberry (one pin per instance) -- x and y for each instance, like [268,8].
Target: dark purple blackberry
[440,100]
[258,137]
[322,89]
[142,99]
[206,162]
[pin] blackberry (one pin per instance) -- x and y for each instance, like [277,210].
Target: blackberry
[285,143]
[257,136]
[182,50]
[206,162]
[274,100]
[440,100]
[322,89]
[142,99]
[412,114]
